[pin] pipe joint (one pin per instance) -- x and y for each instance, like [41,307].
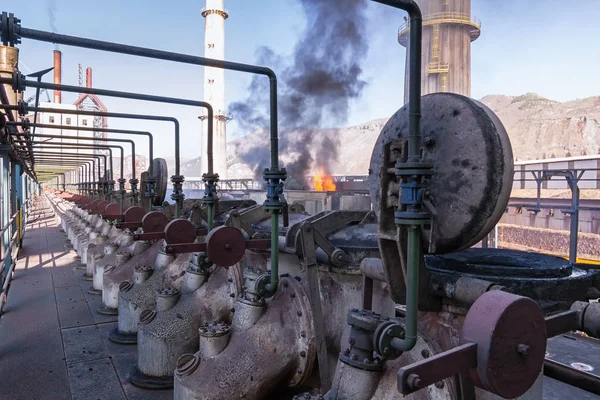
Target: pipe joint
[363,340]
[10,29]
[210,188]
[274,178]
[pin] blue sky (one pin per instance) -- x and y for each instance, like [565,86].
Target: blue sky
[543,46]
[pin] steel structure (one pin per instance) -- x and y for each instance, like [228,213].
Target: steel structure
[448,30]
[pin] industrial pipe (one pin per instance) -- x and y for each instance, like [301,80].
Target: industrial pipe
[67,40]
[92,146]
[107,130]
[275,176]
[59,157]
[24,109]
[412,217]
[74,146]
[20,83]
[121,181]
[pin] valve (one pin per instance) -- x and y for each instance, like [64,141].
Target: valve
[224,246]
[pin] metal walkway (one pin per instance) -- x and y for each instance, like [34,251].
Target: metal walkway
[53,343]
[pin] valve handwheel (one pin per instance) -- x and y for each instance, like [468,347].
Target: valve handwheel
[112,210]
[225,246]
[134,214]
[154,221]
[180,231]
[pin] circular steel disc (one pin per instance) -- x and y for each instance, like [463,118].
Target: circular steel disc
[92,205]
[225,246]
[154,222]
[160,171]
[134,214]
[180,231]
[161,174]
[112,209]
[101,206]
[510,332]
[473,169]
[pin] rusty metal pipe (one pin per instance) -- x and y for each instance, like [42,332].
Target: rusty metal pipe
[75,128]
[170,56]
[75,146]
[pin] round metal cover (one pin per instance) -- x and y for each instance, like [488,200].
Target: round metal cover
[160,171]
[225,246]
[510,332]
[134,214]
[112,209]
[473,169]
[180,231]
[101,205]
[154,222]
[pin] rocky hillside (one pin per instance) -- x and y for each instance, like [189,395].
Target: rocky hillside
[542,128]
[538,128]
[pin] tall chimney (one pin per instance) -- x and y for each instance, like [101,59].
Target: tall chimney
[88,77]
[57,74]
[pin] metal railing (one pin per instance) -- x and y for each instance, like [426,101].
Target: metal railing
[15,228]
[444,17]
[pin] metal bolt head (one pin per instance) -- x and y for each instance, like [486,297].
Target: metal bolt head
[302,334]
[425,353]
[302,353]
[523,350]
[414,381]
[439,385]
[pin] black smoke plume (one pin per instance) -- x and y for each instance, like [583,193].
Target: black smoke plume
[316,85]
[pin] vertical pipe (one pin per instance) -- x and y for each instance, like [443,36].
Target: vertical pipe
[272,287]
[574,219]
[6,186]
[210,214]
[57,75]
[9,60]
[412,290]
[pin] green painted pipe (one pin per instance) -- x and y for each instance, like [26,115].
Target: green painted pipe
[272,287]
[412,290]
[211,216]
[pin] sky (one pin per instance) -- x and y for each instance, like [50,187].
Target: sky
[544,46]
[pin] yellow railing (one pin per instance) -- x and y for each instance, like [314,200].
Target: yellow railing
[438,67]
[446,18]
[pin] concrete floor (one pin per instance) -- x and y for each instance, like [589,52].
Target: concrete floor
[53,343]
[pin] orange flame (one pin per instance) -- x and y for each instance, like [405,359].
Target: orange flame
[323,183]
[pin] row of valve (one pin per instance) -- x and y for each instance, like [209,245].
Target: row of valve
[197,321]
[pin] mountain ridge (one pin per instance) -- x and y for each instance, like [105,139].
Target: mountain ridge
[538,127]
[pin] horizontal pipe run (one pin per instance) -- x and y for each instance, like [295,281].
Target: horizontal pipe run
[44,135]
[125,95]
[107,130]
[175,57]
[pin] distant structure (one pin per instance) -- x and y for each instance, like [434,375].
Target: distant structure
[214,86]
[448,30]
[91,102]
[87,102]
